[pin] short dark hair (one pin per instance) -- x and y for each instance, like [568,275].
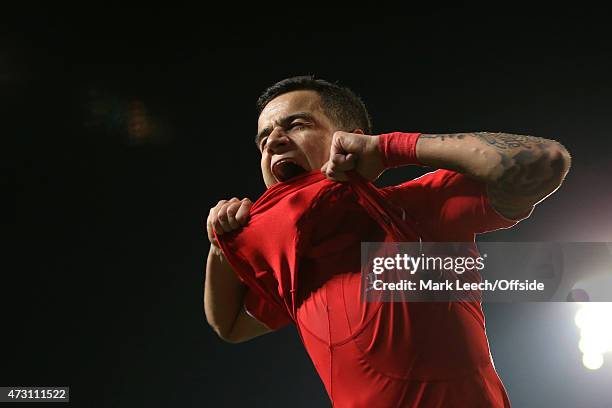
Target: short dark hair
[339,103]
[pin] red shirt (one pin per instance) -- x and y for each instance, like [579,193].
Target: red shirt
[300,257]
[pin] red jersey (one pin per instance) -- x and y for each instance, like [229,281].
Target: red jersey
[300,257]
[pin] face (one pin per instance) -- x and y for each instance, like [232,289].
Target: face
[294,136]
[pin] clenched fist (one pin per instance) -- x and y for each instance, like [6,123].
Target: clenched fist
[353,151]
[226,216]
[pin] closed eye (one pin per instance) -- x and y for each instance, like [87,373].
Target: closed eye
[288,123]
[296,125]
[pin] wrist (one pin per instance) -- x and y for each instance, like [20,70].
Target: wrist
[215,251]
[398,149]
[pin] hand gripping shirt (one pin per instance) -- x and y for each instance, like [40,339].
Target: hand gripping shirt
[299,255]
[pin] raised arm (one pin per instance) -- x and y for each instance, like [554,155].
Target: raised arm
[519,171]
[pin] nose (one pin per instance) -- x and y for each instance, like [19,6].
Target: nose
[278,142]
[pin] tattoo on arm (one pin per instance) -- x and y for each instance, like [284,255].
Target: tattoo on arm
[526,179]
[500,141]
[528,169]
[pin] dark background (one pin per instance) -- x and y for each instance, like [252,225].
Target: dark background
[121,128]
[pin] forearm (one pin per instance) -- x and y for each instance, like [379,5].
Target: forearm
[223,294]
[491,157]
[519,171]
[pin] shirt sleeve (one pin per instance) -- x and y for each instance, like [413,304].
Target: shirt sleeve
[451,204]
[265,312]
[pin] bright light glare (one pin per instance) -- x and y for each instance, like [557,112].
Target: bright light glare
[592,361]
[595,323]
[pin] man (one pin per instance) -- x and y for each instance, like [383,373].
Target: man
[294,256]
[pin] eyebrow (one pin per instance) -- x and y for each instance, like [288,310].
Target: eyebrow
[283,122]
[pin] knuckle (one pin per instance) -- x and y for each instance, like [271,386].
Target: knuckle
[339,133]
[222,216]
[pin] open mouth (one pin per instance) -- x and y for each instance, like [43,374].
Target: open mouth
[286,169]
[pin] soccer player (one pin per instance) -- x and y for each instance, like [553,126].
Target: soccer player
[293,257]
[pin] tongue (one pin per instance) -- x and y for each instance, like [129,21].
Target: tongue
[287,170]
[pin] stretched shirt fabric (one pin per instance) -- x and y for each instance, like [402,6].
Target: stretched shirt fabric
[299,255]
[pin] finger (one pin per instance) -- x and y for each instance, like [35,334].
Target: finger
[242,216]
[328,171]
[341,163]
[220,222]
[324,168]
[214,221]
[209,229]
[337,176]
[232,209]
[224,213]
[222,218]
